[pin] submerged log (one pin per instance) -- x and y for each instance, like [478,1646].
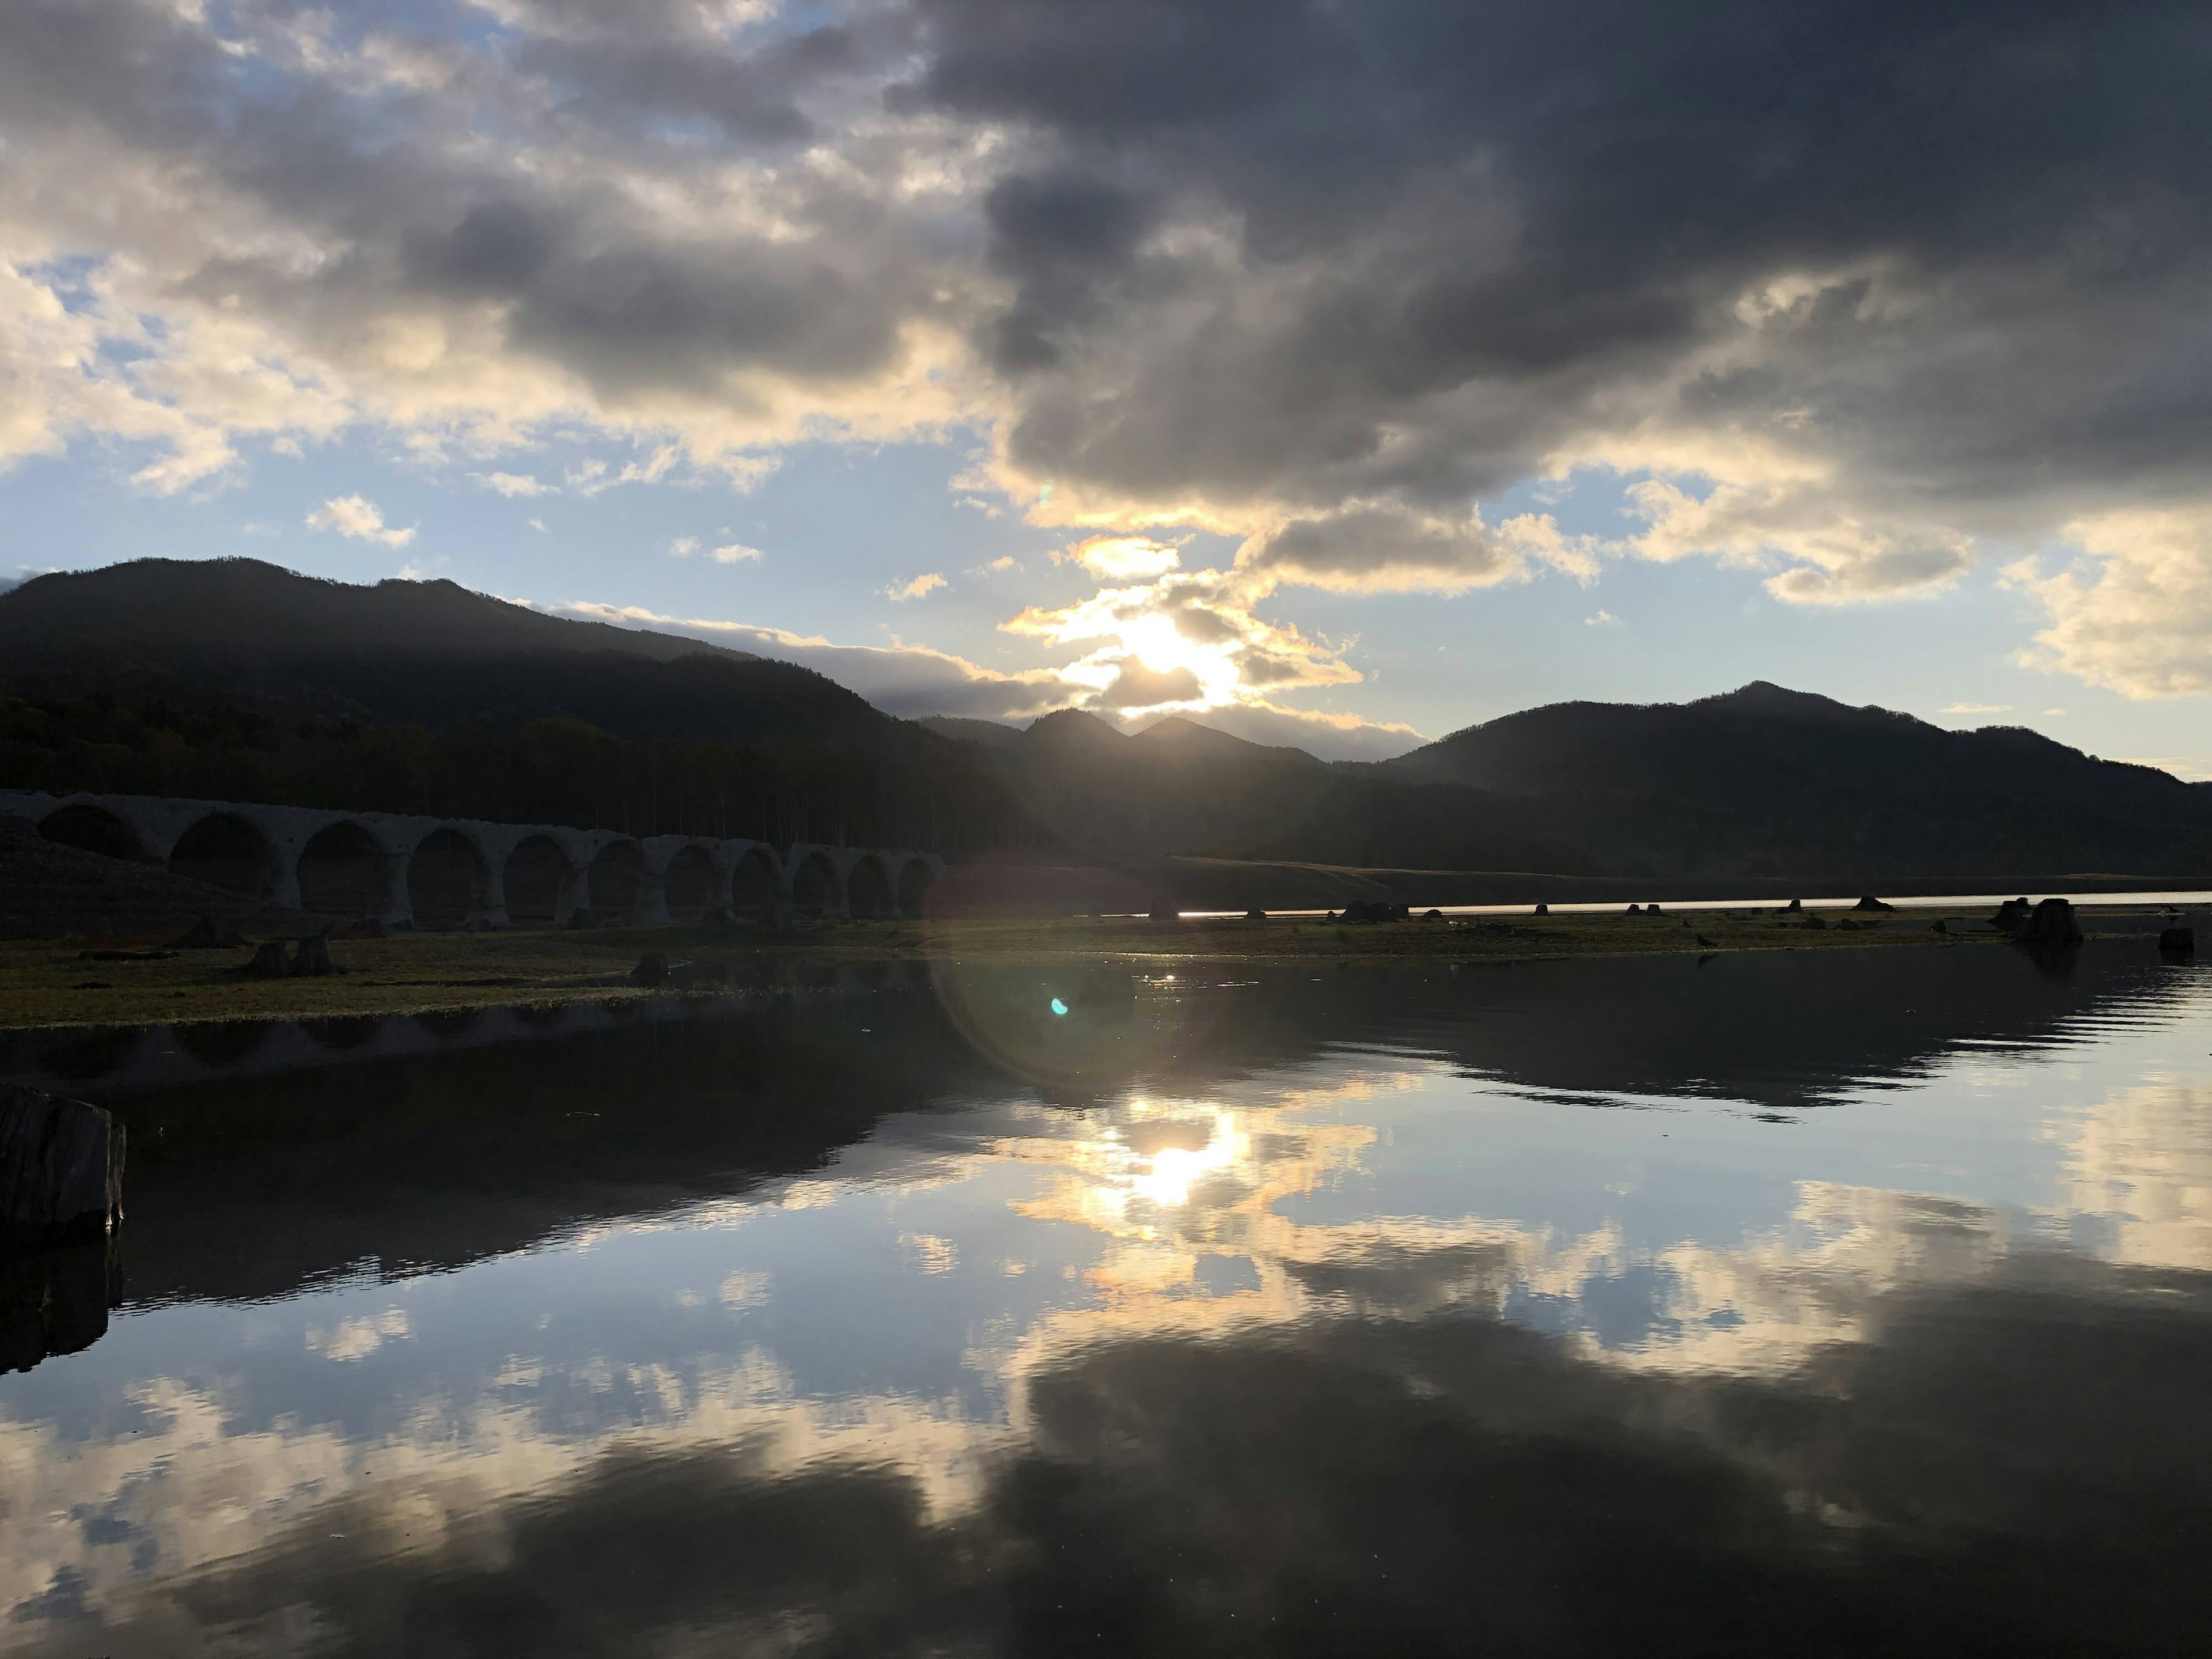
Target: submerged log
[61,1168]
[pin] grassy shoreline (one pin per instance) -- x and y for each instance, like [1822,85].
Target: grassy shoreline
[77,982]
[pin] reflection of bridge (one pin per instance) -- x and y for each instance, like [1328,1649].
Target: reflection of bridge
[401,868]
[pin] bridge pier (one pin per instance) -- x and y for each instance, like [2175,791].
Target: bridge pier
[398,909]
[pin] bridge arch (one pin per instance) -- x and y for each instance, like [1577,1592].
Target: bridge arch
[615,883]
[342,870]
[868,888]
[755,881]
[815,889]
[694,883]
[93,828]
[541,882]
[229,850]
[448,878]
[914,881]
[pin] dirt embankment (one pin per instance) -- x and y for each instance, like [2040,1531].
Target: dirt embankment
[48,890]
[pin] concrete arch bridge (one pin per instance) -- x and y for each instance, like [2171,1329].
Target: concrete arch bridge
[406,870]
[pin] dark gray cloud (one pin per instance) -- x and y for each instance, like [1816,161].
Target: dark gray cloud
[1944,258]
[1136,686]
[1871,286]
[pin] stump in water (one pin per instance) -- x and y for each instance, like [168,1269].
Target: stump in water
[269,962]
[1255,915]
[2050,925]
[1870,902]
[2176,941]
[55,1301]
[1542,910]
[60,1169]
[652,970]
[313,958]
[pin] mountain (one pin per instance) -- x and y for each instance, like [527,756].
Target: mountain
[1178,741]
[234,679]
[988,734]
[1768,781]
[431,654]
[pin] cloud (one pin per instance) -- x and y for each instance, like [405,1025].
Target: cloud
[683,547]
[919,588]
[1119,558]
[1602,619]
[358,517]
[1374,266]
[514,485]
[1380,547]
[906,680]
[1978,708]
[2135,614]
[1835,557]
[910,681]
[538,525]
[736,553]
[1135,686]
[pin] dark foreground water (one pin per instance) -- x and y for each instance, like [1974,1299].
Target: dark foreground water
[1839,1302]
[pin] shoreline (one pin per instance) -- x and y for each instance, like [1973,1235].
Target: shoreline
[80,983]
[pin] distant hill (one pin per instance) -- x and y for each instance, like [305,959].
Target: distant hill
[233,679]
[430,654]
[1767,780]
[959,728]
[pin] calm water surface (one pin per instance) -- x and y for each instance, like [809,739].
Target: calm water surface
[1830,1303]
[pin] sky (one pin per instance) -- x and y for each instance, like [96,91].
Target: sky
[1341,374]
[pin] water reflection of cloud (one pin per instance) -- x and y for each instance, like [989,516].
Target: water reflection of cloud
[2141,1160]
[1155,1217]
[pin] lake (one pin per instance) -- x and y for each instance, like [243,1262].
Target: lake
[1824,1302]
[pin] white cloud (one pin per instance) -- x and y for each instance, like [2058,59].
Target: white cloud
[683,547]
[1974,708]
[736,553]
[919,588]
[1833,555]
[2134,614]
[538,525]
[1122,558]
[515,485]
[1602,619]
[358,517]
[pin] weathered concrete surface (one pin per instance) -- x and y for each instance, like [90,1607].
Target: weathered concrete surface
[61,1168]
